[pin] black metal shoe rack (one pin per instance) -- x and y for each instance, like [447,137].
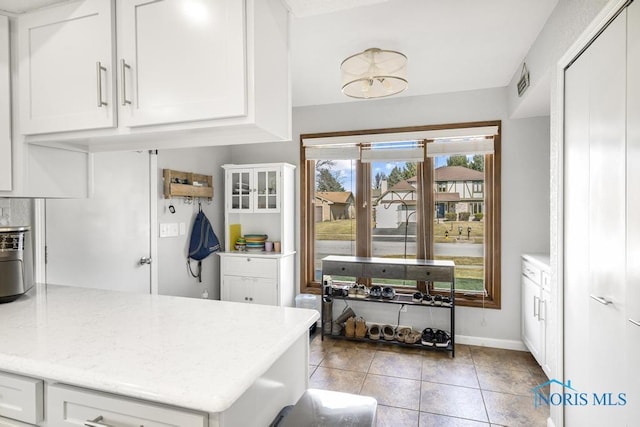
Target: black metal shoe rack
[386,268]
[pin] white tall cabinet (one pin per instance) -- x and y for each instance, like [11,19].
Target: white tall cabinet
[601,229]
[259,199]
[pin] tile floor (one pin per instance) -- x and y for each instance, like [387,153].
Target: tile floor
[479,387]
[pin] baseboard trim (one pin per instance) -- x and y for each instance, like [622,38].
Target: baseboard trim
[491,342]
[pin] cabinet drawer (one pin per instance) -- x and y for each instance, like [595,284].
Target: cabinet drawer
[342,268]
[6,422]
[250,267]
[531,271]
[21,398]
[383,271]
[73,406]
[429,273]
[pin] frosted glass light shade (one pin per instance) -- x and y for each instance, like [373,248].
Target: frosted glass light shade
[374,73]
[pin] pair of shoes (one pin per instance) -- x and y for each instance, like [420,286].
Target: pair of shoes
[388,332]
[417,297]
[346,313]
[446,302]
[350,327]
[388,292]
[401,334]
[362,291]
[374,332]
[428,337]
[427,299]
[442,339]
[437,300]
[412,337]
[361,328]
[375,291]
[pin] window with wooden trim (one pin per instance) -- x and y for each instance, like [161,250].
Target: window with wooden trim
[406,193]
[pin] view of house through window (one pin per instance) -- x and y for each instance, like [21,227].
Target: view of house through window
[415,199]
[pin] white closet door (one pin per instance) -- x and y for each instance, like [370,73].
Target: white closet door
[607,136]
[595,224]
[5,108]
[576,224]
[181,60]
[632,341]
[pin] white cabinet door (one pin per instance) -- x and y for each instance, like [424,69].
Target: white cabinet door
[66,68]
[236,289]
[239,183]
[531,324]
[548,336]
[265,291]
[181,60]
[5,108]
[267,190]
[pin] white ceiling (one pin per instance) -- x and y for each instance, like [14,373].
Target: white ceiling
[452,45]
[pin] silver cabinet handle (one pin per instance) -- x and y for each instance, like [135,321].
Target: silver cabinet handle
[601,300]
[99,70]
[144,260]
[96,422]
[123,86]
[635,322]
[543,304]
[536,304]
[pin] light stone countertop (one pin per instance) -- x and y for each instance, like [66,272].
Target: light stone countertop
[198,354]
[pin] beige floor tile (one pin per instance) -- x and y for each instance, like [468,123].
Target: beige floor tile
[506,380]
[514,411]
[507,359]
[388,416]
[396,365]
[452,400]
[348,358]
[391,391]
[434,420]
[461,374]
[337,380]
[312,369]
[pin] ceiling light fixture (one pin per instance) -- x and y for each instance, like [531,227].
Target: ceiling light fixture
[374,73]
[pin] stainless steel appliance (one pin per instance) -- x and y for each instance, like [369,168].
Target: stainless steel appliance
[16,262]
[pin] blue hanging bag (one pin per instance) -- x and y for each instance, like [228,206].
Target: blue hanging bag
[203,242]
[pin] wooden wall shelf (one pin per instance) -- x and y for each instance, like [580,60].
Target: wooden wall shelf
[181,184]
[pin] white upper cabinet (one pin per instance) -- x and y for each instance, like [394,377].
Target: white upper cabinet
[66,68]
[152,74]
[180,61]
[5,108]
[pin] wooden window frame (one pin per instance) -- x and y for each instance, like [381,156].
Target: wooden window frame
[425,247]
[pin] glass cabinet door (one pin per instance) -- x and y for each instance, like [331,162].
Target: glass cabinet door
[240,190]
[267,190]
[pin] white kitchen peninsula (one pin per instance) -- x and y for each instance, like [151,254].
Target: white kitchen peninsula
[220,363]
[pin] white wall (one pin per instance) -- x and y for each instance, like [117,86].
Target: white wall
[566,23]
[525,188]
[173,277]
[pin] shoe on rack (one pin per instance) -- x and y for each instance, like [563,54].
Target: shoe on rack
[336,328]
[388,332]
[402,333]
[446,301]
[362,291]
[417,297]
[427,299]
[437,300]
[442,339]
[346,313]
[361,328]
[350,327]
[375,291]
[412,337]
[388,292]
[428,337]
[374,332]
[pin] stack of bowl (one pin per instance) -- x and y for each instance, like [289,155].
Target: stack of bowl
[255,242]
[241,244]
